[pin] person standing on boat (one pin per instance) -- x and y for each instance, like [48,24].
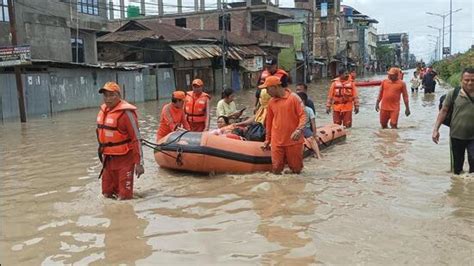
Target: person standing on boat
[342,98]
[284,126]
[120,150]
[172,116]
[197,107]
[389,96]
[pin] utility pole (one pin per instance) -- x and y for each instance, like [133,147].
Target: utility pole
[451,25]
[443,16]
[19,83]
[224,43]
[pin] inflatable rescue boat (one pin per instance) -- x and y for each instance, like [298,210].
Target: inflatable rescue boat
[205,153]
[368,83]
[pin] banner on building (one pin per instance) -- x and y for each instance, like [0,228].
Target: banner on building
[15,55]
[324,10]
[252,64]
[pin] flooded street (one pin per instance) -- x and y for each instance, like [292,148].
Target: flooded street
[382,197]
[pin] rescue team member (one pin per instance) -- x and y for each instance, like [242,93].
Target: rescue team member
[284,126]
[461,128]
[301,87]
[197,107]
[120,150]
[271,69]
[342,97]
[172,116]
[390,92]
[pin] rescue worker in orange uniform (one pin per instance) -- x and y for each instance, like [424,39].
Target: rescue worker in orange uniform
[120,150]
[197,107]
[271,69]
[390,92]
[172,116]
[284,127]
[342,98]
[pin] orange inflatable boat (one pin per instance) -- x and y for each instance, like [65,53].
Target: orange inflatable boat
[368,83]
[206,153]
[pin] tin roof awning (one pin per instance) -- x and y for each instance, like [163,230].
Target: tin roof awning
[202,51]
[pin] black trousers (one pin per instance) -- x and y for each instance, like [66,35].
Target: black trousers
[458,149]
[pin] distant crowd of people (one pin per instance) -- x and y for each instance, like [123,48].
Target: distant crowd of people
[282,119]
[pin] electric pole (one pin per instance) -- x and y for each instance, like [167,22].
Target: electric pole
[19,83]
[451,25]
[224,43]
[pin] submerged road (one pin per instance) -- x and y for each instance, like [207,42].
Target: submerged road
[383,197]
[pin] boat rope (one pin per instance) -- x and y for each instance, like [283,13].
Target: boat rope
[327,144]
[158,147]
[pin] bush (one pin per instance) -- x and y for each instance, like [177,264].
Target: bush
[450,68]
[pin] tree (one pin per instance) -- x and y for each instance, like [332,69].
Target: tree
[385,55]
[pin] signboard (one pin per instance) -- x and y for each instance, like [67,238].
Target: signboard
[446,50]
[324,10]
[15,55]
[252,64]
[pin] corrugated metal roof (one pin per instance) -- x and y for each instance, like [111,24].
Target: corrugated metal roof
[201,51]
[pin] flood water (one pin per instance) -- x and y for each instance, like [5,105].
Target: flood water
[382,197]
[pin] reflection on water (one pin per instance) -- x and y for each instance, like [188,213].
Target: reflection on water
[382,197]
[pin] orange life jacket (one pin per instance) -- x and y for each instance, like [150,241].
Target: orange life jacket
[343,92]
[195,108]
[265,74]
[111,140]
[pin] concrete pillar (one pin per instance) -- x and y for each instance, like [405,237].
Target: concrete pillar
[248,3]
[160,8]
[277,2]
[196,5]
[180,6]
[111,9]
[122,9]
[249,21]
[203,5]
[142,7]
[219,4]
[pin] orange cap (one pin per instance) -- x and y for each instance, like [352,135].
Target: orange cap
[270,81]
[110,86]
[198,82]
[393,71]
[180,95]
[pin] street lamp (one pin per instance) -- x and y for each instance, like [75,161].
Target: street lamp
[437,45]
[443,16]
[439,38]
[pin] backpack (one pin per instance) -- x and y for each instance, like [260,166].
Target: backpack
[447,119]
[255,132]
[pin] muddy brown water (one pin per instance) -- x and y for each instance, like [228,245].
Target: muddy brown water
[383,197]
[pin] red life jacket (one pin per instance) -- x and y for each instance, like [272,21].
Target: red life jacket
[111,140]
[195,108]
[343,92]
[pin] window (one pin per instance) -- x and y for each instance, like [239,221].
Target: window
[77,46]
[224,20]
[4,11]
[90,7]
[180,22]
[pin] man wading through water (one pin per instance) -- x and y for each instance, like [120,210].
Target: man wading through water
[461,131]
[120,149]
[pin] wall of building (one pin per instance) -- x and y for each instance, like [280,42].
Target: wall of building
[48,25]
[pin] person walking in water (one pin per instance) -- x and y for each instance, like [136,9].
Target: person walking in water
[342,98]
[284,126]
[388,101]
[197,107]
[120,150]
[415,82]
[172,116]
[461,103]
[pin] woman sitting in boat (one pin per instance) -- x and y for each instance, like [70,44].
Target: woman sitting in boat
[310,131]
[261,112]
[225,129]
[226,106]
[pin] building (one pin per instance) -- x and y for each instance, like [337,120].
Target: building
[49,26]
[400,43]
[358,40]
[295,59]
[190,53]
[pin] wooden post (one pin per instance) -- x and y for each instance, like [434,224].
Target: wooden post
[19,83]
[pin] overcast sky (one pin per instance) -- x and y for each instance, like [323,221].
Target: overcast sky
[395,16]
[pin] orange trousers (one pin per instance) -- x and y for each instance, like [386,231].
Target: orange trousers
[342,118]
[118,182]
[386,115]
[197,126]
[291,155]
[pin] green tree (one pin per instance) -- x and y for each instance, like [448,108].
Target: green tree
[385,55]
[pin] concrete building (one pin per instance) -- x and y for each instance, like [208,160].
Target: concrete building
[358,40]
[400,43]
[58,30]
